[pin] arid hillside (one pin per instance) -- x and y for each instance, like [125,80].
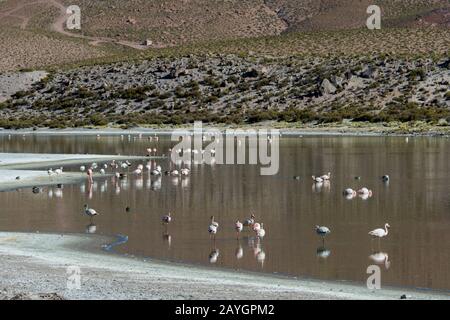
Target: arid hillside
[33,32]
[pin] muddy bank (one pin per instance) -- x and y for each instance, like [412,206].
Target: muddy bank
[332,129]
[15,168]
[35,265]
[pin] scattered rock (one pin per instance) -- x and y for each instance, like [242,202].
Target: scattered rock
[327,87]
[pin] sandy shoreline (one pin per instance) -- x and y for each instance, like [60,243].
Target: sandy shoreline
[18,165]
[35,265]
[319,130]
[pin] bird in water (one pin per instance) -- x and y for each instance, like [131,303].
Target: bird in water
[37,190]
[238,226]
[249,221]
[89,211]
[260,233]
[380,232]
[166,219]
[317,179]
[385,178]
[213,226]
[322,231]
[326,177]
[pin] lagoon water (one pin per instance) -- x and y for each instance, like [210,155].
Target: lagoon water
[416,203]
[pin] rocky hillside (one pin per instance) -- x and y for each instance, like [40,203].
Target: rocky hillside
[232,89]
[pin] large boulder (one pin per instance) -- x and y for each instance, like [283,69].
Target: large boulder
[327,87]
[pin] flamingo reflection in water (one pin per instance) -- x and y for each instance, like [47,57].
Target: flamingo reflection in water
[381,258]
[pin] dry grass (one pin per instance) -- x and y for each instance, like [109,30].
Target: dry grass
[25,50]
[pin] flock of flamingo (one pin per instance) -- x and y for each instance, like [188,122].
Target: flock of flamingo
[251,224]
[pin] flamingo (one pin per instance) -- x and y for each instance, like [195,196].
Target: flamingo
[82,168]
[59,171]
[322,231]
[102,171]
[380,232]
[90,173]
[349,193]
[317,179]
[113,164]
[380,258]
[50,172]
[249,221]
[166,219]
[184,171]
[138,171]
[213,256]
[256,227]
[365,192]
[238,227]
[212,229]
[326,176]
[156,172]
[89,211]
[260,233]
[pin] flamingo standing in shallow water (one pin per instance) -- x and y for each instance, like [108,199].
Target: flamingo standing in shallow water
[365,192]
[90,174]
[326,177]
[166,219]
[238,226]
[89,211]
[260,233]
[322,231]
[250,221]
[380,232]
[212,229]
[256,226]
[317,179]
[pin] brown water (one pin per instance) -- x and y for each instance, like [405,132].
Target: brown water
[416,204]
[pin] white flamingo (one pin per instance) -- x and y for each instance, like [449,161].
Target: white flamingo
[89,211]
[212,229]
[365,191]
[317,179]
[213,256]
[322,231]
[82,168]
[326,176]
[380,232]
[260,233]
[380,258]
[59,171]
[238,226]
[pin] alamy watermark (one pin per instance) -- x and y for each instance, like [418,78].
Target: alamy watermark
[74,20]
[234,146]
[374,21]
[374,280]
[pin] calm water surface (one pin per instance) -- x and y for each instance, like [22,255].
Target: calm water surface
[416,203]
